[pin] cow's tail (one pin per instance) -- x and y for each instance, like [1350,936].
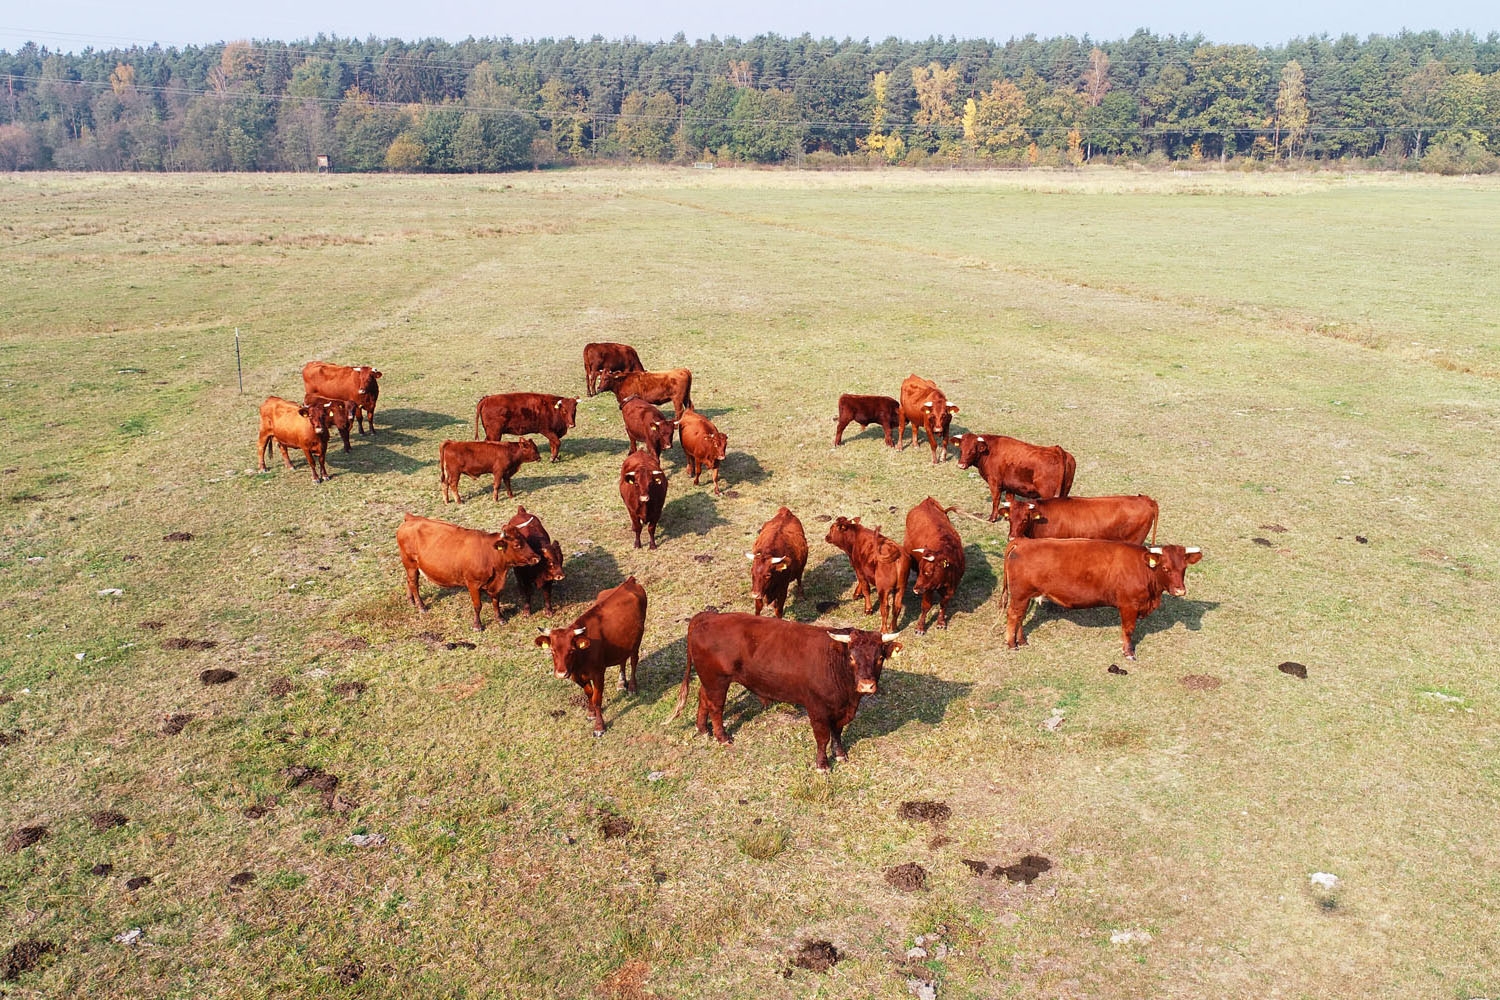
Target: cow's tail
[477,408]
[1005,576]
[1070,465]
[687,678]
[1155,519]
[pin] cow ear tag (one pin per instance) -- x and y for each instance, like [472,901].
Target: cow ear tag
[1151,561]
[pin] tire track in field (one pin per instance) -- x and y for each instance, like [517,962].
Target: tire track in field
[1359,336]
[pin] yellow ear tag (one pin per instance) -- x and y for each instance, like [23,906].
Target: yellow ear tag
[1151,561]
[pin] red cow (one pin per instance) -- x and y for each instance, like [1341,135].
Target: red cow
[1011,466]
[605,357]
[546,572]
[341,413]
[703,444]
[675,387]
[606,635]
[358,385]
[521,413]
[1091,573]
[937,552]
[879,565]
[1120,519]
[825,671]
[924,405]
[483,458]
[643,487]
[303,427]
[867,410]
[778,558]
[646,424]
[451,556]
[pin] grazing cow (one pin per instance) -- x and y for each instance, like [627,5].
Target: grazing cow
[937,552]
[341,413]
[646,424]
[675,387]
[521,413]
[358,385]
[703,444]
[778,558]
[546,572]
[451,556]
[303,427]
[481,458]
[826,671]
[1119,519]
[606,635]
[605,357]
[1011,466]
[643,487]
[1091,573]
[867,410]
[924,405]
[879,565]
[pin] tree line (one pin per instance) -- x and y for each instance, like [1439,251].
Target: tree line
[1417,99]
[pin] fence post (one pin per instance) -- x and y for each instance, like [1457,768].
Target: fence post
[238,369]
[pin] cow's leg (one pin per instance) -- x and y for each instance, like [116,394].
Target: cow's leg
[995,494]
[926,606]
[370,412]
[636,525]
[716,479]
[703,704]
[942,619]
[822,732]
[285,455]
[716,699]
[651,530]
[312,463]
[596,702]
[885,427]
[635,662]
[862,589]
[411,588]
[932,442]
[474,596]
[261,449]
[697,468]
[554,442]
[1128,617]
[1015,635]
[837,732]
[546,598]
[838,432]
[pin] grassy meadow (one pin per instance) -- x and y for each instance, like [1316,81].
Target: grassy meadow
[1301,369]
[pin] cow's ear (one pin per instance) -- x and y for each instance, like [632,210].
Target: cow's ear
[856,520]
[581,642]
[543,640]
[890,648]
[952,408]
[377,374]
[1193,554]
[302,411]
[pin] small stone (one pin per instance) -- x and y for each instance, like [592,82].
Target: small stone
[365,839]
[1130,937]
[656,775]
[111,592]
[79,656]
[1324,881]
[916,954]
[128,937]
[1052,724]
[940,952]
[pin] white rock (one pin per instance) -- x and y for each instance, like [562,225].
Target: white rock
[79,656]
[365,839]
[656,775]
[916,953]
[941,952]
[1130,937]
[35,559]
[1052,724]
[111,592]
[129,937]
[927,991]
[1323,880]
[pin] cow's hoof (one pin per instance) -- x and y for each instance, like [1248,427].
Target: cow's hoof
[821,768]
[1130,657]
[598,733]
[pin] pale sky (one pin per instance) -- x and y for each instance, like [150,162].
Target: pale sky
[74,24]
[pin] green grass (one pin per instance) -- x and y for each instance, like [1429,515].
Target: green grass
[1314,352]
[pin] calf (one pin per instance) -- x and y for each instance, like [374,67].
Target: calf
[480,458]
[879,564]
[937,551]
[675,387]
[1011,466]
[778,557]
[606,635]
[1120,519]
[303,427]
[703,444]
[646,424]
[521,413]
[341,413]
[643,487]
[451,556]
[548,570]
[1091,573]
[604,357]
[924,405]
[867,410]
[359,385]
[825,671]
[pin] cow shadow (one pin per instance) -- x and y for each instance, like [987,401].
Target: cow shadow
[587,446]
[1173,611]
[693,514]
[373,455]
[587,573]
[527,488]
[740,467]
[708,412]
[414,420]
[830,580]
[540,482]
[978,584]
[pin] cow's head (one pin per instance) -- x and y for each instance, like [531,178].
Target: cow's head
[568,407]
[764,568]
[645,479]
[611,379]
[661,433]
[867,653]
[319,415]
[514,550]
[933,568]
[1022,514]
[1169,563]
[971,447]
[566,643]
[842,532]
[365,376]
[719,442]
[528,451]
[552,561]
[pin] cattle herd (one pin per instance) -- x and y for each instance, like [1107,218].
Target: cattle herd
[1078,552]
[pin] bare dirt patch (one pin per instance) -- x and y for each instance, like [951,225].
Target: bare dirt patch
[816,956]
[626,983]
[938,840]
[137,883]
[612,826]
[6,699]
[175,724]
[254,812]
[23,838]
[1273,528]
[102,869]
[350,972]
[349,690]
[280,687]
[910,877]
[925,811]
[25,956]
[459,644]
[558,713]
[1293,668]
[194,645]
[217,675]
[1118,670]
[978,868]
[178,536]
[107,819]
[1026,870]
[1262,541]
[14,736]
[239,881]
[703,557]
[1200,682]
[151,626]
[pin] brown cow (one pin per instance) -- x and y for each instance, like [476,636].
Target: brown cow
[452,556]
[924,405]
[937,552]
[867,410]
[608,633]
[604,357]
[358,385]
[675,387]
[879,565]
[646,424]
[825,671]
[703,444]
[778,557]
[643,487]
[1091,573]
[1012,466]
[1120,519]
[303,427]
[521,413]
[548,571]
[341,414]
[483,458]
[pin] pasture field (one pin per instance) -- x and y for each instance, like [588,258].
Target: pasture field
[1301,369]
